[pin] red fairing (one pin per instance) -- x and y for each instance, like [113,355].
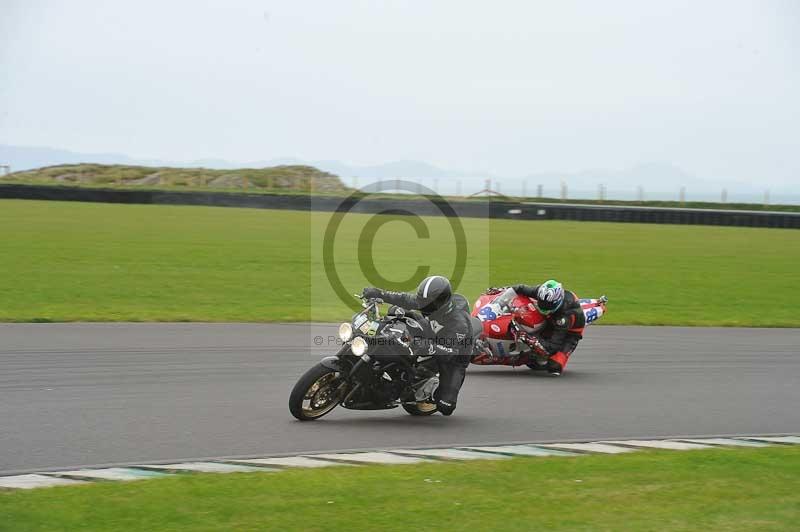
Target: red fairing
[497,328]
[497,310]
[524,313]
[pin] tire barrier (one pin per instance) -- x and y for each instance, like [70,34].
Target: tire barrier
[465,208]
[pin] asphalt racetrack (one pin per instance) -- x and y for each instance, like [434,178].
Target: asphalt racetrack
[92,394]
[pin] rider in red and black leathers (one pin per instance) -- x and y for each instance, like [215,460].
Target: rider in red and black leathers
[564,324]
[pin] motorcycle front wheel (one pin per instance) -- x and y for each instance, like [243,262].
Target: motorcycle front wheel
[316,393]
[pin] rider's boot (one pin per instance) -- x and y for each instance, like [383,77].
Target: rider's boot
[557,363]
[446,395]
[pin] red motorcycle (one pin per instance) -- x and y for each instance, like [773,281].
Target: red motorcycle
[504,314]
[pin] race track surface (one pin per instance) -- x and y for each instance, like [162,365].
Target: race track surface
[91,394]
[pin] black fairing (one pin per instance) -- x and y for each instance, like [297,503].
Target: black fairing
[335,363]
[387,377]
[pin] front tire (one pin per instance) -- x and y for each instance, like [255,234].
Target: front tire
[421,408]
[316,393]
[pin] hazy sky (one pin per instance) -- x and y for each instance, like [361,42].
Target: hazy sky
[507,87]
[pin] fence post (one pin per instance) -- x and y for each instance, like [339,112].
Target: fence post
[682,196]
[640,194]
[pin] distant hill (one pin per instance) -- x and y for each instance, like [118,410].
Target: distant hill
[299,178]
[658,180]
[30,157]
[398,170]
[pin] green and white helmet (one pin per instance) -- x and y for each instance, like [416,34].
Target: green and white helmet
[549,297]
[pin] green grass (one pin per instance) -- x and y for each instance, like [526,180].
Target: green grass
[64,261]
[725,490]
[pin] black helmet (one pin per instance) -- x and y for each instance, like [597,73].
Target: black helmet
[433,293]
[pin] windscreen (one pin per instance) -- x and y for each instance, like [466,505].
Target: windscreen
[504,302]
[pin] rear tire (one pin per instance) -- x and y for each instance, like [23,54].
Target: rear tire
[316,393]
[421,408]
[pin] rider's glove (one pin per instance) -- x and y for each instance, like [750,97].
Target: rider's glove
[533,343]
[537,346]
[372,293]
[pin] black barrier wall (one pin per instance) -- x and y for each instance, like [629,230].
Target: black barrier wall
[497,209]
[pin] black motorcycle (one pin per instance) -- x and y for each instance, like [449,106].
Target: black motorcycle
[382,364]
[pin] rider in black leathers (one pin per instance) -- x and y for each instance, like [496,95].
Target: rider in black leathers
[449,332]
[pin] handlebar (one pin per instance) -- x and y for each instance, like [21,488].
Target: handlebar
[365,302]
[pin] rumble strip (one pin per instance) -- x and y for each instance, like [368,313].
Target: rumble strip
[392,456]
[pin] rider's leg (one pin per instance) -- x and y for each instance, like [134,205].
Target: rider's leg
[558,362]
[451,377]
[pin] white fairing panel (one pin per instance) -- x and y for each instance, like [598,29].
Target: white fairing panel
[502,348]
[592,310]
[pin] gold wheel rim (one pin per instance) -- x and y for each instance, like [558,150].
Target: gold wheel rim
[426,407]
[321,397]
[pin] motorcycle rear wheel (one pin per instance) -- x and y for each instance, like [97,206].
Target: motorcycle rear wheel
[421,408]
[316,393]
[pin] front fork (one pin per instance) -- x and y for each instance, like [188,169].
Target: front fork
[349,370]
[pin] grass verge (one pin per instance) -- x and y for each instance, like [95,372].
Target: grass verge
[730,489]
[64,261]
